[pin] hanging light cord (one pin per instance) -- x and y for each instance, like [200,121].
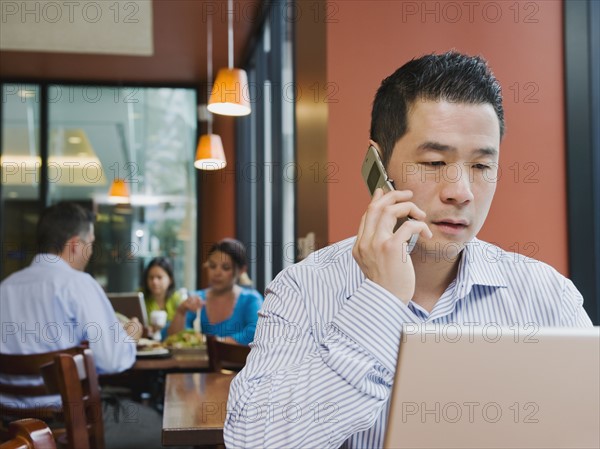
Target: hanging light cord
[230,31]
[209,67]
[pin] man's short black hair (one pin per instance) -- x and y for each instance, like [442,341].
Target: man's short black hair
[452,76]
[61,222]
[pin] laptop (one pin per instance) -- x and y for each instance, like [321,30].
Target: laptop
[130,304]
[495,387]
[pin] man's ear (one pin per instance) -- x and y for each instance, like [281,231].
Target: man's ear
[376,145]
[69,250]
[71,245]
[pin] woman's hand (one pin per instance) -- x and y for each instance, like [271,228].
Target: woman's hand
[193,303]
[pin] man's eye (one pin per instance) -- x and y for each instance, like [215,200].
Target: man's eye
[481,166]
[434,163]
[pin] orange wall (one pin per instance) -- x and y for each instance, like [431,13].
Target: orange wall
[370,39]
[216,205]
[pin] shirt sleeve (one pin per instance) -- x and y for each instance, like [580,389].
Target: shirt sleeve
[572,312]
[312,384]
[114,350]
[171,308]
[249,318]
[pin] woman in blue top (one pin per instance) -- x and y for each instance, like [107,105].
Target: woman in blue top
[227,309]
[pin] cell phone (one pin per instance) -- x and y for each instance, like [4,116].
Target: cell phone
[375,176]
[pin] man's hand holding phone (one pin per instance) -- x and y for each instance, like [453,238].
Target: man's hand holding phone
[381,253]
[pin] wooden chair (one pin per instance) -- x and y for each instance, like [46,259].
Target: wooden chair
[75,378]
[29,434]
[225,356]
[28,365]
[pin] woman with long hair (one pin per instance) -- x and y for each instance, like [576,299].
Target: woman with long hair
[159,290]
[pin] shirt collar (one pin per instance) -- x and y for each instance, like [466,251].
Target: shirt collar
[50,260]
[479,265]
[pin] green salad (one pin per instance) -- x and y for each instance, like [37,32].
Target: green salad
[185,339]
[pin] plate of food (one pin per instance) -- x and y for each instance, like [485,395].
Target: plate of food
[151,348]
[185,341]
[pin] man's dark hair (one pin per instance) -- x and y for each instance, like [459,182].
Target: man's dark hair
[166,265]
[453,77]
[61,222]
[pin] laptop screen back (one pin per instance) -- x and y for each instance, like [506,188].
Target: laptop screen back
[130,304]
[496,387]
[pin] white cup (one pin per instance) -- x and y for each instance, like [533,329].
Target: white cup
[158,318]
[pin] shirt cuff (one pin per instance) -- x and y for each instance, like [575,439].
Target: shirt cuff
[373,318]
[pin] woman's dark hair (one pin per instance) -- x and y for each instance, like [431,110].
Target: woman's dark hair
[166,265]
[234,249]
[452,76]
[61,222]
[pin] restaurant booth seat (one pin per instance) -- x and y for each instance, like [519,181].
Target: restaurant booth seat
[74,378]
[29,433]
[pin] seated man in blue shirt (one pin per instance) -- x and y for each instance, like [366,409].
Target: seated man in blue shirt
[53,304]
[321,368]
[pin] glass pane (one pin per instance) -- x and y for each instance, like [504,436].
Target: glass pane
[144,137]
[20,174]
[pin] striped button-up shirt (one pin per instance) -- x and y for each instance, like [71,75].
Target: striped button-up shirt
[323,359]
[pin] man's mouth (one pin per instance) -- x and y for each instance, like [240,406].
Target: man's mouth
[451,226]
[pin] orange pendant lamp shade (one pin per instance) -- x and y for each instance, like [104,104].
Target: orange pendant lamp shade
[210,154]
[119,192]
[230,93]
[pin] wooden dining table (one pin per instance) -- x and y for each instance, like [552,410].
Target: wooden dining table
[194,408]
[177,360]
[145,380]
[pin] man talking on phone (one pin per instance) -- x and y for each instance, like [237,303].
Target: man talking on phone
[322,363]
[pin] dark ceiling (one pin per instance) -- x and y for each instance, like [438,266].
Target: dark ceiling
[179,49]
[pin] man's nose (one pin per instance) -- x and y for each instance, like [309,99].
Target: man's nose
[456,185]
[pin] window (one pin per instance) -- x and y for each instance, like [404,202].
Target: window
[94,135]
[20,162]
[582,73]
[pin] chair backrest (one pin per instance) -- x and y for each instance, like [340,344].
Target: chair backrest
[228,356]
[75,378]
[29,365]
[29,434]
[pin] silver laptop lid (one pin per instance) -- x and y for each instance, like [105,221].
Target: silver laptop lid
[130,304]
[492,387]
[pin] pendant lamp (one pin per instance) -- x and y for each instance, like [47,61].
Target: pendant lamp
[209,154]
[119,192]
[230,92]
